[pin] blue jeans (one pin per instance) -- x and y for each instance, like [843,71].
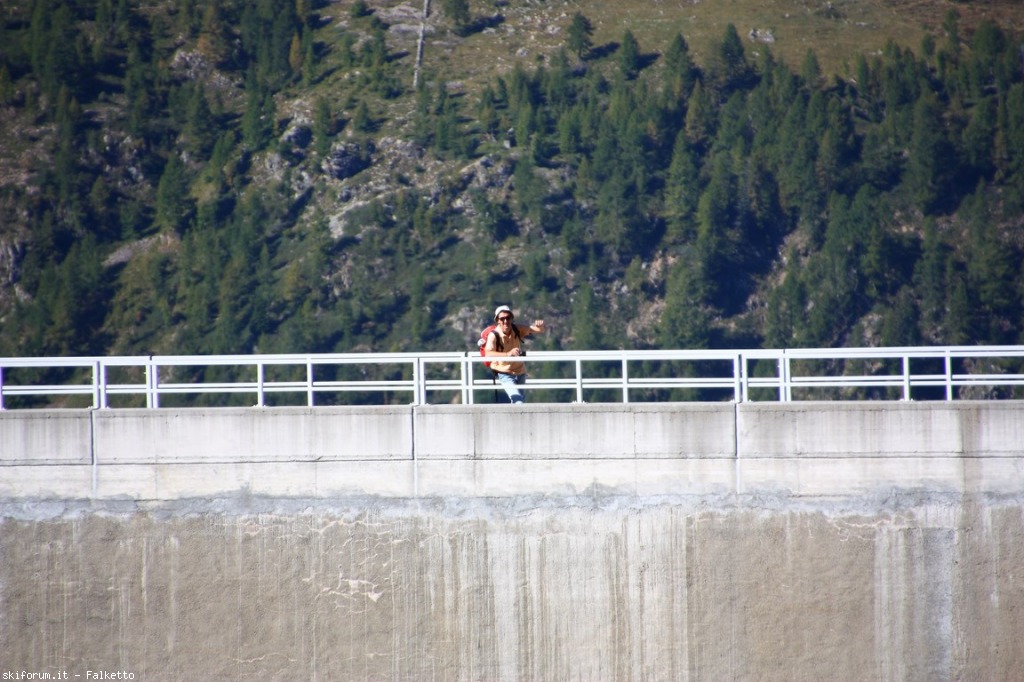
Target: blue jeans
[511,383]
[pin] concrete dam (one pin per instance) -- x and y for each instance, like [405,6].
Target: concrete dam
[674,541]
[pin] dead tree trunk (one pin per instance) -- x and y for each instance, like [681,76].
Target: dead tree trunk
[419,44]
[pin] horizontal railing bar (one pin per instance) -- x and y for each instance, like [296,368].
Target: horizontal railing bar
[797,369]
[30,389]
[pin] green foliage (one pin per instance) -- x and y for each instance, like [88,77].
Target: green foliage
[629,56]
[680,73]
[173,205]
[730,202]
[457,12]
[730,68]
[578,38]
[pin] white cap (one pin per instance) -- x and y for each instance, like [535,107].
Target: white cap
[502,309]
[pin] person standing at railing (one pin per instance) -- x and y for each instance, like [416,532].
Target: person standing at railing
[506,342]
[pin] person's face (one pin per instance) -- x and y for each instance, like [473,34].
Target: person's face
[505,321]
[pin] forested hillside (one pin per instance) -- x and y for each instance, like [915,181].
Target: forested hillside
[231,176]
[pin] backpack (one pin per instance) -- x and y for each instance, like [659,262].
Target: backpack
[482,342]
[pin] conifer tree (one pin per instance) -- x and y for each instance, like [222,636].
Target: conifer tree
[810,71]
[682,190]
[699,117]
[730,61]
[585,331]
[680,72]
[629,56]
[457,12]
[578,37]
[931,163]
[929,280]
[200,128]
[685,320]
[172,200]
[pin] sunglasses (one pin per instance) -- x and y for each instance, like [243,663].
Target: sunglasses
[505,318]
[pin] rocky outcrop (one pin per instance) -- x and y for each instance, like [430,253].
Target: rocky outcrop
[347,159]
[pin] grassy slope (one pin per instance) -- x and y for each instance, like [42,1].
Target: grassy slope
[836,30]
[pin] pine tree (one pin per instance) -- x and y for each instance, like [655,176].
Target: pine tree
[810,70]
[900,321]
[309,70]
[578,37]
[699,117]
[629,56]
[931,164]
[716,219]
[296,54]
[731,69]
[929,280]
[686,320]
[213,40]
[978,137]
[680,73]
[457,12]
[586,333]
[200,128]
[682,190]
[173,205]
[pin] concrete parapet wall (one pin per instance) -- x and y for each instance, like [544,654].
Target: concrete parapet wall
[639,431]
[830,449]
[45,437]
[804,449]
[287,434]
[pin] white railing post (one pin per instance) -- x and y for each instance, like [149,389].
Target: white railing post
[737,378]
[1,388]
[579,381]
[906,377]
[260,400]
[625,380]
[949,374]
[152,384]
[785,373]
[309,383]
[781,371]
[419,391]
[99,383]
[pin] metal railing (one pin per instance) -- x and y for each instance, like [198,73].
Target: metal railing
[929,373]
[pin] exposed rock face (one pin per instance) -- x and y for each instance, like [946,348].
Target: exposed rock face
[348,159]
[11,253]
[299,135]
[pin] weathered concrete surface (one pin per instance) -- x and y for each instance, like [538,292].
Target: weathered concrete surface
[795,449]
[293,434]
[695,542]
[45,437]
[569,589]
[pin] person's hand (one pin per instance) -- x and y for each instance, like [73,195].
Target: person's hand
[538,325]
[514,353]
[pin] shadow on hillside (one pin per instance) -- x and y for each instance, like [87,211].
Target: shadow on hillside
[602,51]
[483,23]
